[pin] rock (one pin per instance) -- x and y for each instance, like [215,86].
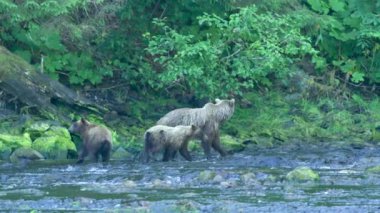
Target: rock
[53,141]
[5,151]
[25,154]
[375,136]
[159,183]
[16,141]
[206,175]
[54,147]
[130,184]
[231,144]
[228,184]
[302,174]
[373,170]
[37,129]
[218,179]
[248,178]
[58,131]
[121,154]
[186,206]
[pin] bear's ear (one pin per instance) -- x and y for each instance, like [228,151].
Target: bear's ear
[232,101]
[217,100]
[193,127]
[84,121]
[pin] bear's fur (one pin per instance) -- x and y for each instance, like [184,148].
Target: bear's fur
[208,119]
[97,140]
[169,139]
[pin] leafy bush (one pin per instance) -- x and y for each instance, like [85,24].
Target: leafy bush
[230,55]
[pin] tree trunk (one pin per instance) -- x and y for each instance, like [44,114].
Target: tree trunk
[35,89]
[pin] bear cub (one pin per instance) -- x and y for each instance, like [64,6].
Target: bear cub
[97,140]
[169,139]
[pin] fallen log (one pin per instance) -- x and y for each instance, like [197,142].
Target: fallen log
[36,89]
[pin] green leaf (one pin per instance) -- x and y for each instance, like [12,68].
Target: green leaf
[337,5]
[357,77]
[319,6]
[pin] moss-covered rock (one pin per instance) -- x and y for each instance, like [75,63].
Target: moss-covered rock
[194,146]
[231,144]
[25,154]
[373,170]
[16,141]
[54,147]
[302,174]
[375,136]
[121,154]
[37,129]
[57,131]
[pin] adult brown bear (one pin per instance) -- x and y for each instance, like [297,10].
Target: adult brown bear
[169,139]
[97,140]
[208,119]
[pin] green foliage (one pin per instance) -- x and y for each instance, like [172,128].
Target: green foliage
[231,55]
[347,32]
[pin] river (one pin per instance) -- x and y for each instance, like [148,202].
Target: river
[249,181]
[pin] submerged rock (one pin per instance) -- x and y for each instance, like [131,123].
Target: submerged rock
[373,170]
[25,154]
[248,178]
[129,184]
[121,154]
[218,179]
[206,175]
[186,206]
[302,174]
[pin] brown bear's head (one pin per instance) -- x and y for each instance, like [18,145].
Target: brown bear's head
[79,127]
[196,131]
[154,140]
[224,109]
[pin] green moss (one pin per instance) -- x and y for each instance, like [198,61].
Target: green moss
[37,129]
[194,145]
[375,135]
[58,131]
[54,147]
[302,174]
[16,141]
[231,144]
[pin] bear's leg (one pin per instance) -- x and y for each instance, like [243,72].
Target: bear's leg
[168,153]
[184,152]
[106,151]
[216,145]
[106,155]
[94,156]
[206,147]
[82,155]
[174,153]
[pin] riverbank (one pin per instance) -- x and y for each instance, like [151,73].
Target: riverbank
[264,119]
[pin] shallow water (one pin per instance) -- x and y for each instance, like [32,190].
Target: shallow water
[253,180]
